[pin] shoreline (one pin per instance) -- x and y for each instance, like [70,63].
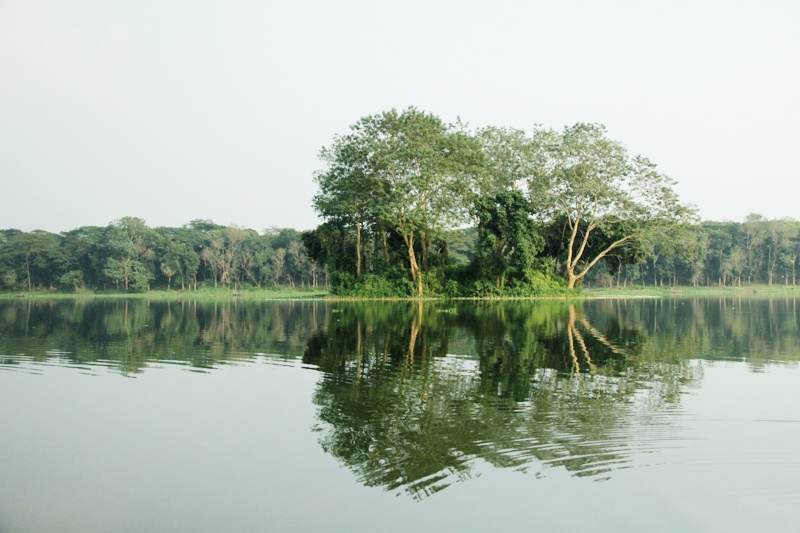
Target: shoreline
[321,295]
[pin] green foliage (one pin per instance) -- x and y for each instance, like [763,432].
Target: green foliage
[537,283]
[127,255]
[399,187]
[508,240]
[72,281]
[591,183]
[391,187]
[549,211]
[30,261]
[369,286]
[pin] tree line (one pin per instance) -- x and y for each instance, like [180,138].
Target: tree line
[755,251]
[413,206]
[128,255]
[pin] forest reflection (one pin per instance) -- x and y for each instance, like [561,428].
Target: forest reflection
[414,396]
[130,334]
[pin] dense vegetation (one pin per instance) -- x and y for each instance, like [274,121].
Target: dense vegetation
[547,208]
[412,206]
[128,255]
[756,251]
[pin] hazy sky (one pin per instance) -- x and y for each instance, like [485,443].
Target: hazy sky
[178,110]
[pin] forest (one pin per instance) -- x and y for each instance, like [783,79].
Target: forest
[413,206]
[127,255]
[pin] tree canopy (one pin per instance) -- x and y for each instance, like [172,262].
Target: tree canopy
[402,172]
[592,183]
[406,179]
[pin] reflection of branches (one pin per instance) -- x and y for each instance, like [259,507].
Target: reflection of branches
[412,342]
[602,338]
[414,420]
[574,334]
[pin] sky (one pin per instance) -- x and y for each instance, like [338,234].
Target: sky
[174,110]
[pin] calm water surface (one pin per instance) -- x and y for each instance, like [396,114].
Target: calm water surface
[609,415]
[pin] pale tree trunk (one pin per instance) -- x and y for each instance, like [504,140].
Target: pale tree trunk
[358,249]
[769,266]
[412,342]
[28,271]
[655,271]
[572,263]
[572,279]
[416,273]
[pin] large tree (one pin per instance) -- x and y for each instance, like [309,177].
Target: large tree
[34,259]
[407,172]
[349,190]
[131,247]
[591,181]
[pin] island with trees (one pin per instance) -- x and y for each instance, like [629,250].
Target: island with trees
[411,206]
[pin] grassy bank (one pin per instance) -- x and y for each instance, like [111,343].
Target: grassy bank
[677,292]
[209,294]
[201,294]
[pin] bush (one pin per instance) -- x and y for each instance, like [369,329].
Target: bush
[537,284]
[72,281]
[367,286]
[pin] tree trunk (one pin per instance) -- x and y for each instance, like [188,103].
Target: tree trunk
[571,279]
[416,273]
[28,271]
[358,249]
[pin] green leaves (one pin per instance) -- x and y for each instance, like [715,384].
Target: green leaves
[594,184]
[411,174]
[398,172]
[508,240]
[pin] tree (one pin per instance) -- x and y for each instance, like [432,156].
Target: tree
[328,245]
[84,248]
[508,240]
[317,251]
[780,237]
[224,254]
[509,160]
[348,188]
[719,240]
[595,185]
[254,259]
[753,236]
[130,246]
[409,171]
[278,262]
[179,254]
[31,259]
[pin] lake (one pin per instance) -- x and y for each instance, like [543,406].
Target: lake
[676,414]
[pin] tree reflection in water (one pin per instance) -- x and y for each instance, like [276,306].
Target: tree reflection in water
[415,396]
